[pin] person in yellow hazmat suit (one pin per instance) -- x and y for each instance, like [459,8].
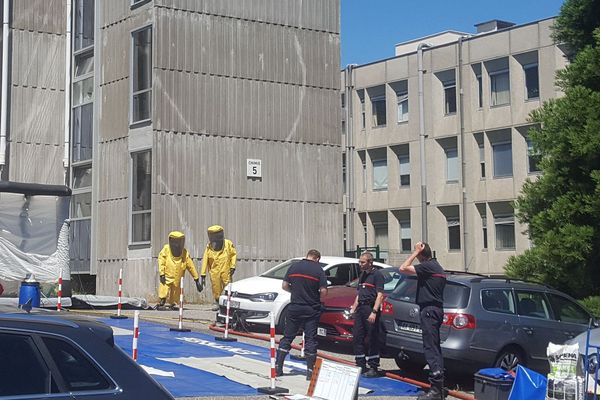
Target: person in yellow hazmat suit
[219,261]
[173,260]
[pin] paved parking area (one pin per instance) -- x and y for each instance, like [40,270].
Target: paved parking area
[207,369]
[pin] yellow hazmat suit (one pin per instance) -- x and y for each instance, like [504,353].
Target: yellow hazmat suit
[172,268]
[219,260]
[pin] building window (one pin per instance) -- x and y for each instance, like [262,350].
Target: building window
[343,100]
[363,163]
[141,75]
[533,158]
[402,101]
[451,164]
[450,97]
[138,2]
[83,36]
[532,83]
[500,87]
[378,107]
[381,238]
[141,196]
[478,77]
[344,187]
[404,170]
[484,231]
[405,237]
[453,233]
[380,174]
[82,107]
[505,232]
[502,153]
[363,117]
[481,159]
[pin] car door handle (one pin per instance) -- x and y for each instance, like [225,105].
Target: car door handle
[528,330]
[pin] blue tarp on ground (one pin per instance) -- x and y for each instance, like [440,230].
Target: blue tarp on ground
[157,345]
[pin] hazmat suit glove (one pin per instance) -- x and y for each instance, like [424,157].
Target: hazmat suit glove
[199,285]
[163,280]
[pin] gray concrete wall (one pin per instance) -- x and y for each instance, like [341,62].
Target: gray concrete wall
[36,91]
[440,128]
[230,82]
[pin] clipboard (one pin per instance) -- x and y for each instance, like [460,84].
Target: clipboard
[333,381]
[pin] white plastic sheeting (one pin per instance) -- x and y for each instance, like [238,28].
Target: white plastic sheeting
[34,237]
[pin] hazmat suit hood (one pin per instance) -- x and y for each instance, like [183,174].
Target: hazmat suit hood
[216,237]
[176,243]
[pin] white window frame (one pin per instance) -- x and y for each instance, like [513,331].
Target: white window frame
[494,147]
[479,78]
[402,107]
[527,67]
[131,195]
[448,85]
[81,190]
[494,100]
[405,234]
[452,164]
[481,147]
[404,169]
[376,103]
[377,164]
[504,220]
[452,223]
[484,232]
[133,94]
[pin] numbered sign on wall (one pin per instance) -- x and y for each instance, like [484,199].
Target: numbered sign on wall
[253,169]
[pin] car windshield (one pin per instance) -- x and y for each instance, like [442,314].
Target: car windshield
[455,294]
[279,271]
[391,279]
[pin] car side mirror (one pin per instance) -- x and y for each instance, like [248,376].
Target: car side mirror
[595,322]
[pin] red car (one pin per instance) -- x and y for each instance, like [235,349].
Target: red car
[332,325]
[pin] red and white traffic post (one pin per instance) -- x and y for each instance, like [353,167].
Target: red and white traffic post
[180,327]
[136,335]
[59,294]
[272,389]
[119,295]
[301,356]
[225,337]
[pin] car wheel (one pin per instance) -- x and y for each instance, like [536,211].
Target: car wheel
[281,323]
[407,364]
[509,358]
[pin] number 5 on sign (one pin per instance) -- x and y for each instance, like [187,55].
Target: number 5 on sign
[253,168]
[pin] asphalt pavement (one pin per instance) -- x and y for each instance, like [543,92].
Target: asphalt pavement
[200,317]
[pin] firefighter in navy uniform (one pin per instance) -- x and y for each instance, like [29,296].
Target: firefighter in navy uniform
[365,310]
[431,280]
[308,285]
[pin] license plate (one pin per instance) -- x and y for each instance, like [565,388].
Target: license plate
[321,332]
[410,328]
[232,303]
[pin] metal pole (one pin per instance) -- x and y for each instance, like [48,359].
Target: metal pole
[422,137]
[463,163]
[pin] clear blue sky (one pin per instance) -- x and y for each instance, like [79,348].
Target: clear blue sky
[371,28]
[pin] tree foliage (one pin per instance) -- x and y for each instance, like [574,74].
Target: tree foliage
[576,22]
[562,207]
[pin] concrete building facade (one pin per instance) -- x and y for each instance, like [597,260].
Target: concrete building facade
[177,115]
[436,143]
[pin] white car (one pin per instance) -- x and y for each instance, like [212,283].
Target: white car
[252,299]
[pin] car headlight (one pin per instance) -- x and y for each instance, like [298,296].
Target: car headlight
[270,296]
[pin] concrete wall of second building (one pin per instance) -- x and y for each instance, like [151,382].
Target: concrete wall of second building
[488,124]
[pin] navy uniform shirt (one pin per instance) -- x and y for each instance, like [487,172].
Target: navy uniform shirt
[369,284]
[306,277]
[431,280]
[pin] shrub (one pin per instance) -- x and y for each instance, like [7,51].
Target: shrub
[592,303]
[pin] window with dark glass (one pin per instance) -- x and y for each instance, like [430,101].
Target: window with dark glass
[141,101]
[83,15]
[141,197]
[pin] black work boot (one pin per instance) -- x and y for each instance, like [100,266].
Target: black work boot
[161,304]
[310,365]
[434,393]
[279,362]
[371,373]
